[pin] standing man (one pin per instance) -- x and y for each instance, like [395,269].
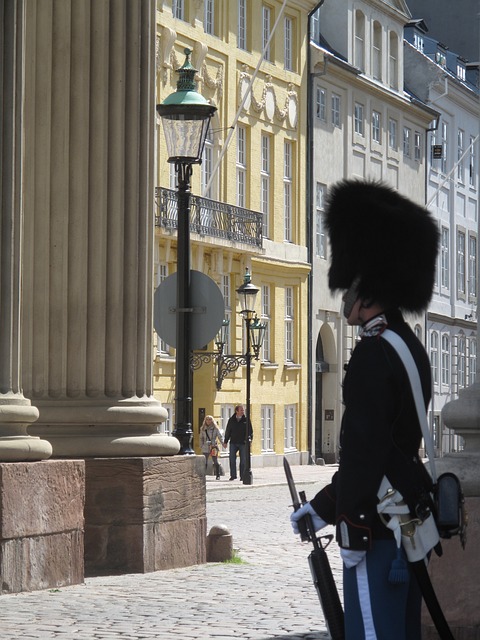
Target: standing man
[236,433]
[383,257]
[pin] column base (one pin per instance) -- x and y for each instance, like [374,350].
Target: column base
[89,428]
[16,445]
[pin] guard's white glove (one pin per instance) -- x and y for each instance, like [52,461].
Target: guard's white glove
[351,557]
[318,523]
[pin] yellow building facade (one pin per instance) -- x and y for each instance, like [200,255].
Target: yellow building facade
[248,206]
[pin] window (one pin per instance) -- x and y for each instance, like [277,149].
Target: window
[209,17]
[241,167]
[443,167]
[315,26]
[163,349]
[167,426]
[320,236]
[226,410]
[460,165]
[288,43]
[265,184]
[461,72]
[359,40]
[445,359]
[418,42]
[335,110]
[418,332]
[266,28]
[461,363]
[376,135]
[434,355]
[472,266]
[178,9]
[289,325]
[406,141]
[392,134]
[207,165]
[242,25]
[266,414]
[473,162]
[227,299]
[265,318]
[393,61]
[321,104]
[417,146]
[287,192]
[290,429]
[377,51]
[472,360]
[445,258]
[461,263]
[440,58]
[358,118]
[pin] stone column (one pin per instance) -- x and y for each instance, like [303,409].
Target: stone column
[90,109]
[16,411]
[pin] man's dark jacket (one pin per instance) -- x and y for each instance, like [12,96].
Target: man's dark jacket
[380,435]
[236,430]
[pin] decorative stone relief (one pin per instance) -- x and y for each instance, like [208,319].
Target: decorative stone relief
[200,53]
[163,51]
[268,103]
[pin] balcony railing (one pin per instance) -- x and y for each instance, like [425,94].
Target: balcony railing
[211,218]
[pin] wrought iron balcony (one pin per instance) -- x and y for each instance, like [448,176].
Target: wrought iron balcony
[211,218]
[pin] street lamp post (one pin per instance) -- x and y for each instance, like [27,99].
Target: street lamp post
[186,117]
[255,333]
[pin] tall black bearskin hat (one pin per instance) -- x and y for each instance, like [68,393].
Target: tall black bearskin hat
[384,241]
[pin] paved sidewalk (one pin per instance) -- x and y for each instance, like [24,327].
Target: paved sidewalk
[269,596]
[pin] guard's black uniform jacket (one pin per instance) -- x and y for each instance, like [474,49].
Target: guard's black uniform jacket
[380,435]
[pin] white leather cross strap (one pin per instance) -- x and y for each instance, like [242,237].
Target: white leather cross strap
[411,368]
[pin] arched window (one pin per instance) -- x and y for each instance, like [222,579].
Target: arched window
[377,51]
[393,61]
[359,44]
[472,360]
[445,359]
[434,355]
[461,362]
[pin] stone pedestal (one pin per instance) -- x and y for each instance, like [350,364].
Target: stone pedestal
[455,575]
[455,578]
[144,514]
[41,524]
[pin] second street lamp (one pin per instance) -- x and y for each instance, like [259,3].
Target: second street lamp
[186,117]
[255,331]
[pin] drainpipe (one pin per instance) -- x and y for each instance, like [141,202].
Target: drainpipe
[309,208]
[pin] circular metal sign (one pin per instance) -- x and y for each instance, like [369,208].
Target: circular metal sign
[206,317]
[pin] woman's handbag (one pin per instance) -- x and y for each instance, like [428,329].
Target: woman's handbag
[448,513]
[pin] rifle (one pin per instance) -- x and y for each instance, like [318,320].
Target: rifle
[319,565]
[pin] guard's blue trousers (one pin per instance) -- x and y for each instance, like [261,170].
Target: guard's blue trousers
[375,609]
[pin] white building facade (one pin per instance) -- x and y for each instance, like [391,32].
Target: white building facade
[444,80]
[365,125]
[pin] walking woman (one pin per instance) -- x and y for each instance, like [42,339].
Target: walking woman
[209,435]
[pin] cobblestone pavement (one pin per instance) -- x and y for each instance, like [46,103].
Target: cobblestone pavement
[269,596]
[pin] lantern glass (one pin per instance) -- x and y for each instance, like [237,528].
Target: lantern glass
[185,136]
[248,296]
